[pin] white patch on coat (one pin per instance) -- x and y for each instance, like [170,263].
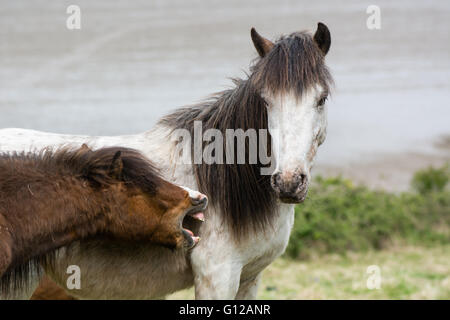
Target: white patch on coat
[299,126]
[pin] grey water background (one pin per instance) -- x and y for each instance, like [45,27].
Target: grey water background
[134,61]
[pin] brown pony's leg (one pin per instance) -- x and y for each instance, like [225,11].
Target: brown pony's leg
[49,290]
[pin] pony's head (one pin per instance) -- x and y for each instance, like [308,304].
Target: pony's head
[292,78]
[143,206]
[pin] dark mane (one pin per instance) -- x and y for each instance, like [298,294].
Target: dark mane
[83,163]
[295,64]
[19,170]
[95,165]
[242,195]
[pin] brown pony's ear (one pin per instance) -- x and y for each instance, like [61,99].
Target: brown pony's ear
[84,147]
[116,167]
[262,45]
[323,38]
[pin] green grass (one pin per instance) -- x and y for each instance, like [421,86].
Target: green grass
[343,228]
[339,217]
[406,273]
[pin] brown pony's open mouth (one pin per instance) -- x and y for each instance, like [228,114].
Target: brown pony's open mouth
[192,222]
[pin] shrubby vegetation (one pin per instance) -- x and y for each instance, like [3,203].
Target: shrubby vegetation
[339,216]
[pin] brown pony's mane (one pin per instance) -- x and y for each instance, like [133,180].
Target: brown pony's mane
[20,170]
[243,196]
[83,163]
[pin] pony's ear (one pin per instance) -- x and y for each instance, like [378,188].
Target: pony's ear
[116,167]
[262,45]
[323,38]
[84,147]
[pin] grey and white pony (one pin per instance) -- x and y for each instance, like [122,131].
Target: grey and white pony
[251,215]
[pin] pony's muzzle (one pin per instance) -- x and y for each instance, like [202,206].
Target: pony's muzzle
[193,216]
[199,201]
[290,187]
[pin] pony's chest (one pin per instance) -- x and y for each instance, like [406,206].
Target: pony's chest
[265,248]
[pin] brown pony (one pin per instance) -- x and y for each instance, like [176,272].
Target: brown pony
[52,198]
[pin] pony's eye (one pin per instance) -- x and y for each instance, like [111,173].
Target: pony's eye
[322,101]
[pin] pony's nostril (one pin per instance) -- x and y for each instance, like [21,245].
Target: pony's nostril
[200,200]
[302,181]
[277,178]
[303,178]
[204,200]
[275,181]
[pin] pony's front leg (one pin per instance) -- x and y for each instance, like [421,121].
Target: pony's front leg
[218,283]
[248,288]
[217,270]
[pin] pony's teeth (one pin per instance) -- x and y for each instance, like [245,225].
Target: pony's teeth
[198,216]
[189,231]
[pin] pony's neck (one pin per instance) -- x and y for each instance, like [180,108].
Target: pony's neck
[243,195]
[49,222]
